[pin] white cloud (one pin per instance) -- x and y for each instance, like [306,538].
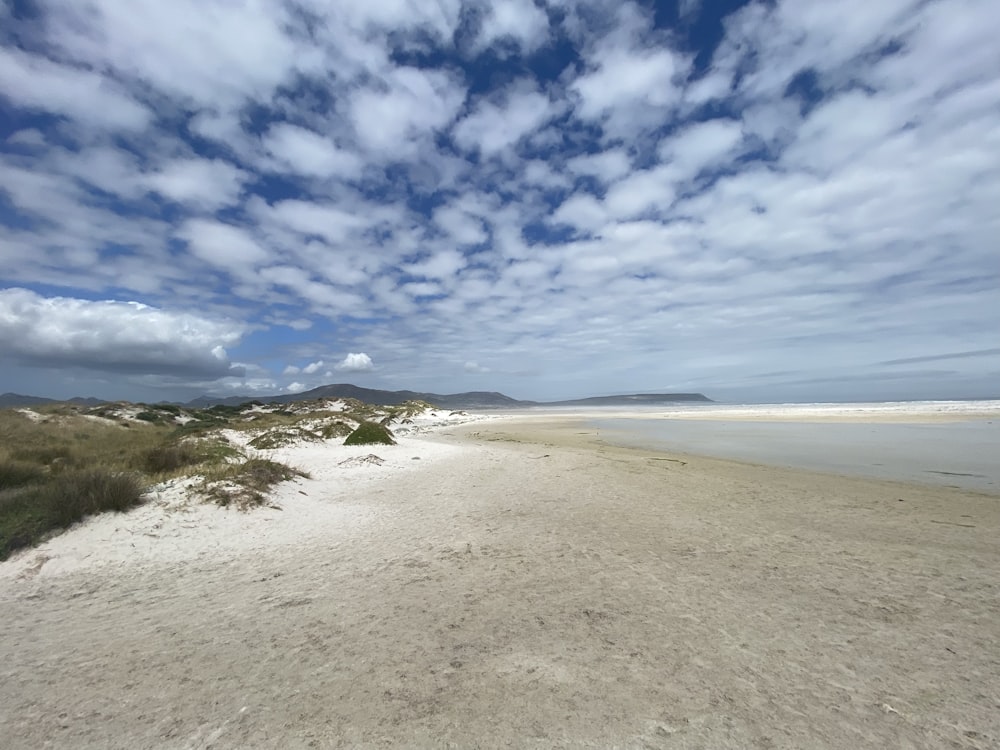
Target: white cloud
[224,245]
[475,368]
[519,21]
[607,166]
[40,84]
[208,183]
[308,153]
[496,125]
[460,225]
[440,265]
[209,54]
[688,9]
[112,336]
[702,145]
[410,105]
[296,387]
[326,220]
[355,362]
[312,368]
[628,85]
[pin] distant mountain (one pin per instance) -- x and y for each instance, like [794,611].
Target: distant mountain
[475,399]
[16,399]
[469,400]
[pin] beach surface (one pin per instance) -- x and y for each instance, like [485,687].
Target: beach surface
[515,582]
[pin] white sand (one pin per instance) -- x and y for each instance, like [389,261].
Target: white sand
[518,586]
[174,526]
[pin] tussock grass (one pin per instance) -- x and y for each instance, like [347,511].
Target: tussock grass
[246,485]
[169,457]
[30,513]
[19,473]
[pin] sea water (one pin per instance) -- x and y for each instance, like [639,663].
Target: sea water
[945,443]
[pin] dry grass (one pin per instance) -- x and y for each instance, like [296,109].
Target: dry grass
[246,485]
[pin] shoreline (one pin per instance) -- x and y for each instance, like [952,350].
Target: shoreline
[533,587]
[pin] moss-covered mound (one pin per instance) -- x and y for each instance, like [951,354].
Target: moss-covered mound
[370,433]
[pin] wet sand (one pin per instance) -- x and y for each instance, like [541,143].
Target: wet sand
[528,586]
[962,453]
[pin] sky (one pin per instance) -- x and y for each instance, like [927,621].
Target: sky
[759,201]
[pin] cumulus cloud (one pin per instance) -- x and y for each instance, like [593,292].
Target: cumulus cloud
[494,125]
[113,336]
[518,21]
[475,368]
[39,84]
[305,152]
[207,183]
[356,362]
[223,245]
[410,105]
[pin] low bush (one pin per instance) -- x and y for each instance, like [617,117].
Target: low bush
[280,438]
[370,433]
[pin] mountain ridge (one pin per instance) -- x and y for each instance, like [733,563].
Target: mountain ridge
[376,397]
[465,400]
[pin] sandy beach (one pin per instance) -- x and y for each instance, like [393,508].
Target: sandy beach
[515,582]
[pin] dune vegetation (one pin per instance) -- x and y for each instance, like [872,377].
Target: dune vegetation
[60,463]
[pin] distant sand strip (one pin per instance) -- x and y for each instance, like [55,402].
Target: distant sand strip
[521,585]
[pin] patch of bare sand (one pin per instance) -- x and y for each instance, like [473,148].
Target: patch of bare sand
[539,590]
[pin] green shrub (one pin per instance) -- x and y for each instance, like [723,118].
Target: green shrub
[148,416]
[370,433]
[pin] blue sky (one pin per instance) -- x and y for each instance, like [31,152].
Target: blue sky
[756,200]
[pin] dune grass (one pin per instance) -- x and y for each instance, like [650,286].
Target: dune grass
[60,463]
[66,466]
[246,485]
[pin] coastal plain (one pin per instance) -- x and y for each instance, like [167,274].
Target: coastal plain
[515,582]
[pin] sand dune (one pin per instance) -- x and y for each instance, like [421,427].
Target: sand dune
[520,585]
